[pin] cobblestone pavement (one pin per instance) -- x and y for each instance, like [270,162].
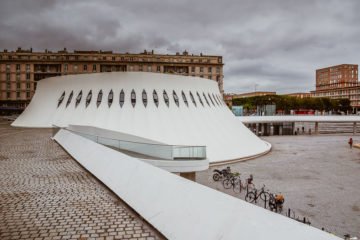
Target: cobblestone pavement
[319,176]
[45,194]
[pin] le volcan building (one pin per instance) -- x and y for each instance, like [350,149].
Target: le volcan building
[20,70]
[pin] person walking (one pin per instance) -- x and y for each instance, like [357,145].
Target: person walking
[350,142]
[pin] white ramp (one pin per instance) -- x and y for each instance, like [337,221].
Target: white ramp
[178,208]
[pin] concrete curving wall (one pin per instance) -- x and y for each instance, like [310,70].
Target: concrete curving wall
[212,125]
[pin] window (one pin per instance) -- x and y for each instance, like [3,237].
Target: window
[27,76]
[8,86]
[69,99]
[27,67]
[17,76]
[28,86]
[85,68]
[122,98]
[88,98]
[184,98]
[217,69]
[133,98]
[201,69]
[94,67]
[140,68]
[200,99]
[27,94]
[8,94]
[7,76]
[192,69]
[144,97]
[18,94]
[156,98]
[8,67]
[176,99]
[192,99]
[211,99]
[209,69]
[158,68]
[99,98]
[220,98]
[166,98]
[78,99]
[65,67]
[110,98]
[61,99]
[206,99]
[215,100]
[17,67]
[18,85]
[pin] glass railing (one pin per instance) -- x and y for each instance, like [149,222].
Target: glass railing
[147,150]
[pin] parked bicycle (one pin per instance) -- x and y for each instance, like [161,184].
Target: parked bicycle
[253,195]
[276,202]
[249,184]
[221,174]
[233,180]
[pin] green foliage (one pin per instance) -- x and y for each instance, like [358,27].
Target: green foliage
[287,103]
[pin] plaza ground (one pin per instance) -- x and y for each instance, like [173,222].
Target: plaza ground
[45,194]
[319,176]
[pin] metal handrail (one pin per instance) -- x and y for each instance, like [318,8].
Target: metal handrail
[185,151]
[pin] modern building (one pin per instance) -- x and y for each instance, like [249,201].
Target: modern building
[150,108]
[172,114]
[20,70]
[337,82]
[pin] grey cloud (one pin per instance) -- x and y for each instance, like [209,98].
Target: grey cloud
[277,44]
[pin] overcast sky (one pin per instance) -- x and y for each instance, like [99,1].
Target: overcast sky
[276,44]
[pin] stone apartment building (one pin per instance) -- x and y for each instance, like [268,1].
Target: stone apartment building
[338,82]
[20,70]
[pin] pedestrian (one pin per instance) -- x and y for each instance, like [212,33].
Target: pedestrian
[350,142]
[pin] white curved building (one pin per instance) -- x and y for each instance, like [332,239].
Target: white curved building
[145,107]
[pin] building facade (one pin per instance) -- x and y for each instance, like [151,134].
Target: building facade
[157,109]
[337,82]
[230,96]
[299,95]
[20,70]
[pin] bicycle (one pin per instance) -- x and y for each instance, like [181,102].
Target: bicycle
[233,180]
[275,204]
[253,195]
[249,184]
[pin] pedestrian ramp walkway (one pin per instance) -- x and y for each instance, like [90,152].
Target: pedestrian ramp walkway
[179,208]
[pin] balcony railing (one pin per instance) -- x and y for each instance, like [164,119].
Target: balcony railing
[156,151]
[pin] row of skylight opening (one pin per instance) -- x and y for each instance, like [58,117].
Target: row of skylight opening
[210,99]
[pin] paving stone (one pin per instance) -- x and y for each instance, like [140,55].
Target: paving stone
[45,194]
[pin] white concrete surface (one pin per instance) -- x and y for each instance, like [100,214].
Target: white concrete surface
[299,118]
[213,125]
[179,166]
[179,208]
